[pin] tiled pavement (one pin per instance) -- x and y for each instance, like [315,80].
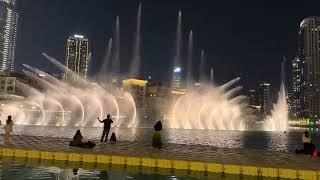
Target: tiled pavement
[248,157]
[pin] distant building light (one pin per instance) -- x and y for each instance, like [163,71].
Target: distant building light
[177,69]
[78,36]
[149,77]
[265,84]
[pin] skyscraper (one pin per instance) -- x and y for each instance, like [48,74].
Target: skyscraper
[253,98]
[8,34]
[264,98]
[177,78]
[77,56]
[309,55]
[298,83]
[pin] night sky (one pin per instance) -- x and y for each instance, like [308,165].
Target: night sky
[247,39]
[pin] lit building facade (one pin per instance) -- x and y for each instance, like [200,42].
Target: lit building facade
[8,34]
[177,78]
[298,87]
[77,56]
[7,85]
[253,97]
[137,88]
[264,98]
[309,53]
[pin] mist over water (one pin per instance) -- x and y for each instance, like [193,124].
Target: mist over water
[211,107]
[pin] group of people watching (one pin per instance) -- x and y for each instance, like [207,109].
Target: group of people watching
[78,140]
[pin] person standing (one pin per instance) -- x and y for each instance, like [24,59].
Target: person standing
[106,128]
[8,129]
[156,140]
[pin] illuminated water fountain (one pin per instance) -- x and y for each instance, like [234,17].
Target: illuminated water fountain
[278,121]
[63,104]
[210,107]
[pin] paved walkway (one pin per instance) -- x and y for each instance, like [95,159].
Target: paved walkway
[250,157]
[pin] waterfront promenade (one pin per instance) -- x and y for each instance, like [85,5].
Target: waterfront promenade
[172,156]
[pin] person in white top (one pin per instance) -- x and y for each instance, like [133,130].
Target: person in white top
[308,147]
[8,129]
[306,138]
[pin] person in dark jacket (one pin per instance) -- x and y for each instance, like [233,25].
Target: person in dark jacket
[156,140]
[106,127]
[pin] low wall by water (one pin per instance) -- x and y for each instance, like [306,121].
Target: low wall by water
[162,163]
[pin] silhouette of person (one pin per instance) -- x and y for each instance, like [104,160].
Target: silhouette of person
[113,137]
[156,140]
[8,129]
[106,128]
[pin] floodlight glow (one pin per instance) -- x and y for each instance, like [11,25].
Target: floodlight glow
[78,36]
[177,69]
[41,75]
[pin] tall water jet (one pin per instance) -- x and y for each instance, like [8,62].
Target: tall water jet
[202,74]
[211,75]
[283,71]
[177,58]
[105,69]
[189,59]
[278,121]
[176,76]
[135,64]
[116,59]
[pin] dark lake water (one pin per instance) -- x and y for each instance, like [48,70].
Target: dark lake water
[24,169]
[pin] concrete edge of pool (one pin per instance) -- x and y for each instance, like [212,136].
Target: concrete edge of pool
[211,167]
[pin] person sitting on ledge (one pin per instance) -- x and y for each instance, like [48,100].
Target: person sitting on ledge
[156,140]
[78,141]
[113,137]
